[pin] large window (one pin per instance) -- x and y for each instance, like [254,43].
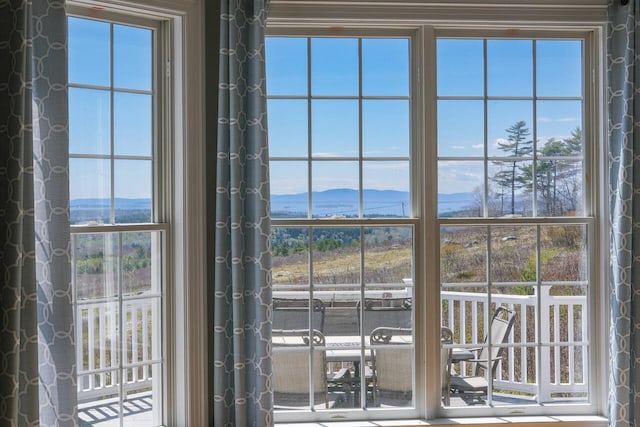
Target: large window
[463,187]
[515,223]
[343,233]
[118,239]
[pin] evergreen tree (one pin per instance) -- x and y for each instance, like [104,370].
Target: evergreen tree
[557,180]
[517,145]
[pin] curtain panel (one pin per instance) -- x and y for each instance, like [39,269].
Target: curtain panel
[37,356]
[242,270]
[623,65]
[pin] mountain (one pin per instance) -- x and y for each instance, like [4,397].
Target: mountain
[125,204]
[344,202]
[98,210]
[341,202]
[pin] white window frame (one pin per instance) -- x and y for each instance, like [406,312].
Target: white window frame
[425,21]
[182,205]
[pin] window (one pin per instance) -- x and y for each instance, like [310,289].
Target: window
[515,224]
[119,237]
[427,198]
[343,232]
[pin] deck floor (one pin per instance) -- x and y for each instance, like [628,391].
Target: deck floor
[136,411]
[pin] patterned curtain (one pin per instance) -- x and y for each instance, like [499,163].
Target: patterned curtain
[624,158]
[242,276]
[37,357]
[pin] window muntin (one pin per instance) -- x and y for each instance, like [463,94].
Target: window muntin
[118,248]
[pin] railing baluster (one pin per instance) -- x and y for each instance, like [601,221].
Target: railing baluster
[570,338]
[556,339]
[145,339]
[134,340]
[524,354]
[91,315]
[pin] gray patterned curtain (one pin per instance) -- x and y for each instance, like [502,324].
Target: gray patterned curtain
[624,151]
[242,275]
[37,357]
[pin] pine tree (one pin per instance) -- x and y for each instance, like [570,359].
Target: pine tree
[517,145]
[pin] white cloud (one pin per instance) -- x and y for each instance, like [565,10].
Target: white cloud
[500,141]
[557,120]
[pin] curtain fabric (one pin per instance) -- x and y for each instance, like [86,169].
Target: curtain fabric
[242,298]
[37,358]
[623,65]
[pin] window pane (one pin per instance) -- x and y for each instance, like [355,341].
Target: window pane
[385,67]
[559,67]
[386,186]
[510,189]
[288,128]
[286,65]
[559,187]
[335,189]
[334,66]
[90,190]
[385,128]
[563,253]
[132,124]
[132,51]
[95,267]
[89,121]
[290,260]
[460,67]
[140,256]
[334,128]
[133,191]
[463,254]
[460,188]
[336,256]
[509,128]
[513,255]
[289,189]
[460,128]
[510,67]
[89,52]
[388,253]
[561,121]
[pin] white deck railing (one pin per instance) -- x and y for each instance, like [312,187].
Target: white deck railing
[115,356]
[564,321]
[562,365]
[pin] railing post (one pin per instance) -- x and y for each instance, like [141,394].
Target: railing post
[544,374]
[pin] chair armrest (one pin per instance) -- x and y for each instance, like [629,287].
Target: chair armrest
[343,375]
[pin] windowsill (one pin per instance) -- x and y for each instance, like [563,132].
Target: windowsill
[537,421]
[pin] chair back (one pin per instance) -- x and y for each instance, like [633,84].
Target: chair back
[294,364]
[384,312]
[293,313]
[446,340]
[392,364]
[501,325]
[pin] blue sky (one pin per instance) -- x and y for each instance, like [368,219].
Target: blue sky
[94,68]
[103,56]
[510,89]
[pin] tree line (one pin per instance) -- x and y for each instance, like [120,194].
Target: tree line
[555,175]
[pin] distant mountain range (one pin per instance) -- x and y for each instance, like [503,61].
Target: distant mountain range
[127,204]
[336,202]
[344,202]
